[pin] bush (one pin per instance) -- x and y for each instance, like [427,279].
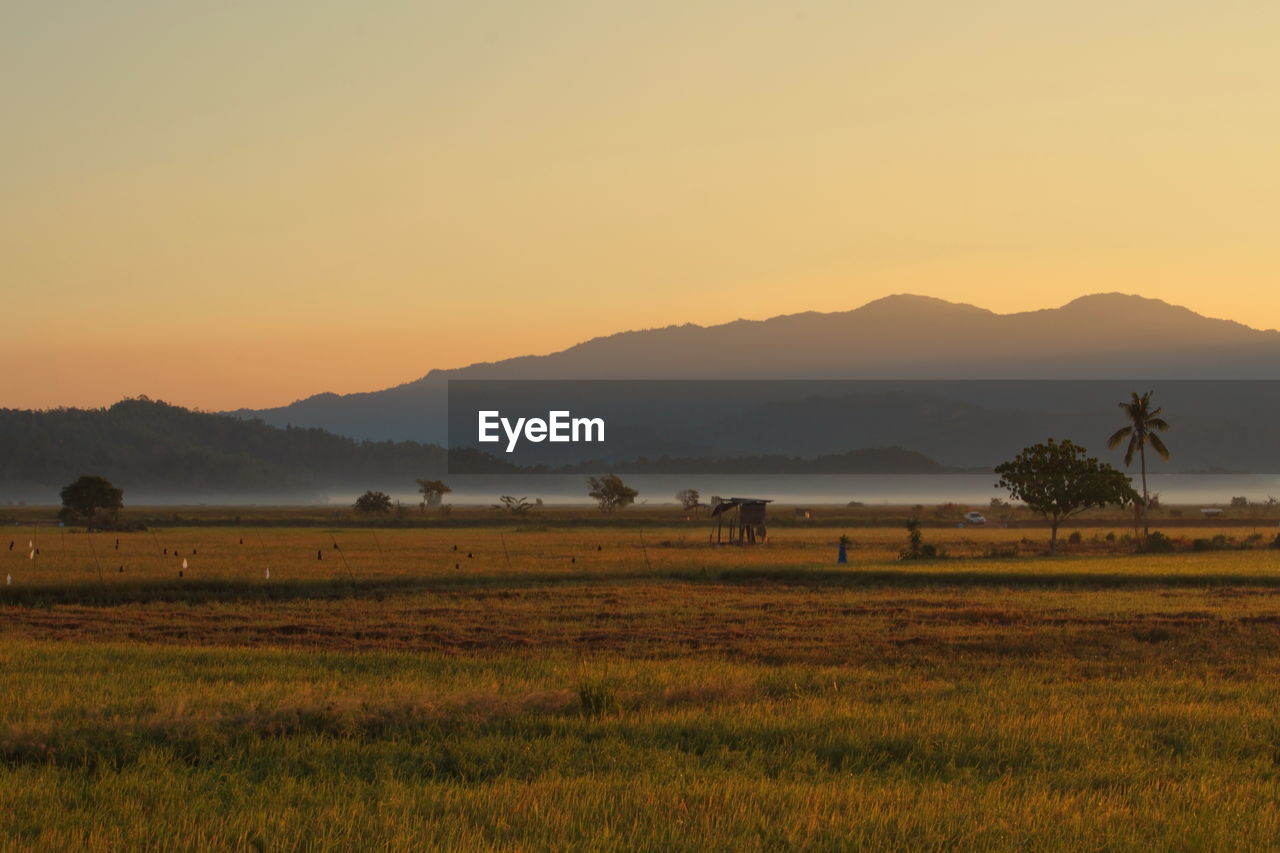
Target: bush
[1158,543]
[513,505]
[1075,538]
[1240,500]
[373,503]
[1217,543]
[916,548]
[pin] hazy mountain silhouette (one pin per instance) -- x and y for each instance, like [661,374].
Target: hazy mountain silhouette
[898,337]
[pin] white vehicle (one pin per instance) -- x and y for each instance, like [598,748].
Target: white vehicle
[974,518]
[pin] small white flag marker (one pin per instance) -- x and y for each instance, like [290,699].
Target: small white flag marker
[8,579]
[184,562]
[267,574]
[31,556]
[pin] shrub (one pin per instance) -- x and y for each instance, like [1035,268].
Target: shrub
[373,503]
[1158,543]
[1075,538]
[917,548]
[513,505]
[1217,543]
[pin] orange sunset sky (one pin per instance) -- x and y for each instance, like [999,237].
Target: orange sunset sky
[240,204]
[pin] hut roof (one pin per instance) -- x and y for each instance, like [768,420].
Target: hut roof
[731,503]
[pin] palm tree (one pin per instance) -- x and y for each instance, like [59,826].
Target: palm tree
[1144,422]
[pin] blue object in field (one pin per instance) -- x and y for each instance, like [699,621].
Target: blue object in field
[843,555]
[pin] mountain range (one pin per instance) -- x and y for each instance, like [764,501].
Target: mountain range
[904,384]
[1103,336]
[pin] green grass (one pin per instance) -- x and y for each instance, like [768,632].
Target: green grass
[706,699]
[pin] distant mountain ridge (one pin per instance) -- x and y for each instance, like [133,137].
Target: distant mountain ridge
[896,337]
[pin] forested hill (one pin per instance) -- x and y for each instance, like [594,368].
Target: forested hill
[152,446]
[154,450]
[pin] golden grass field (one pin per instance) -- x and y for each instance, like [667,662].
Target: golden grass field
[624,687]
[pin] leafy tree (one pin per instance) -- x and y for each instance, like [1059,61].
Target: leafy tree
[1059,481]
[610,492]
[373,503]
[688,499]
[1144,423]
[83,499]
[514,505]
[433,492]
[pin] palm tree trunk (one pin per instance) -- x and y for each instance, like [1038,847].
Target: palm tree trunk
[1146,501]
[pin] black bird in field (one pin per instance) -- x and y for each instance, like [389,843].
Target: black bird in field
[179,572]
[193,552]
[599,547]
[457,566]
[10,544]
[121,569]
[573,559]
[468,555]
[455,547]
[319,554]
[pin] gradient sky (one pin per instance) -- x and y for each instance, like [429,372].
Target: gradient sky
[243,203]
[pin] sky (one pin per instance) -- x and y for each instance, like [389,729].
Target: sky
[226,204]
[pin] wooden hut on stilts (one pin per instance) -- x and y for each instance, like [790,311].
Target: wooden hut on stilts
[743,519]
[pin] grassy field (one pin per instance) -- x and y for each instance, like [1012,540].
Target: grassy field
[530,686]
